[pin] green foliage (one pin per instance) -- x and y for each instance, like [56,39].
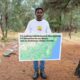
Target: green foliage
[62,13]
[16,14]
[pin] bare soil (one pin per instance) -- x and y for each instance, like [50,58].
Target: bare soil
[12,69]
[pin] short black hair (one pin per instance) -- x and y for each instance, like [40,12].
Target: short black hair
[38,9]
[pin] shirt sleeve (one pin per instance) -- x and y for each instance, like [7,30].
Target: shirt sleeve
[28,29]
[48,30]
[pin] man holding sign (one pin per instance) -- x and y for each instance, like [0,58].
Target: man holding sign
[38,26]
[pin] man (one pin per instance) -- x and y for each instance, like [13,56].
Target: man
[38,26]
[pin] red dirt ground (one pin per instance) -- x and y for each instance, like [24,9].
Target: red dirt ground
[12,69]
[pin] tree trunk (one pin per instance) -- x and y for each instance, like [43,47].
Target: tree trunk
[6,23]
[2,29]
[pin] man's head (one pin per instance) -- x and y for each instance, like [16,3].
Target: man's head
[39,12]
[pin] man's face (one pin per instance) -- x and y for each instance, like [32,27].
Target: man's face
[39,14]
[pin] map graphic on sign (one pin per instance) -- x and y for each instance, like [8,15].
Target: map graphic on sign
[40,47]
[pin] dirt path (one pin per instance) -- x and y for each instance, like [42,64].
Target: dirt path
[12,69]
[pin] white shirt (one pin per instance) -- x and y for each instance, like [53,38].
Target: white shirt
[38,27]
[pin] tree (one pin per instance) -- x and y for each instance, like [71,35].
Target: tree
[4,17]
[58,8]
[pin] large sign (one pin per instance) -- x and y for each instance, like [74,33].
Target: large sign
[40,47]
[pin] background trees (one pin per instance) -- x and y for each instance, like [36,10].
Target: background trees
[61,14]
